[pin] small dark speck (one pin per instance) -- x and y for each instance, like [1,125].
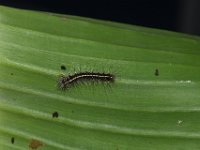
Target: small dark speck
[12,140]
[72,111]
[11,74]
[55,115]
[62,67]
[156,72]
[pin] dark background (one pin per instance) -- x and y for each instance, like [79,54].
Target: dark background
[175,15]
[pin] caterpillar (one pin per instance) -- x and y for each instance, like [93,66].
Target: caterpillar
[67,81]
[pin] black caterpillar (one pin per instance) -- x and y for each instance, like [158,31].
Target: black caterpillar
[68,81]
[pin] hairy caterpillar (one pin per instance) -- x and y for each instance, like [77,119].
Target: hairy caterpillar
[68,81]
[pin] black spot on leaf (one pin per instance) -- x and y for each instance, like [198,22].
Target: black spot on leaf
[12,140]
[156,72]
[62,67]
[55,114]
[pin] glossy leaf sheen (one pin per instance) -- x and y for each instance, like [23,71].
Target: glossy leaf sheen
[139,111]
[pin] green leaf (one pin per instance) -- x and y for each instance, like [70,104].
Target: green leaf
[154,102]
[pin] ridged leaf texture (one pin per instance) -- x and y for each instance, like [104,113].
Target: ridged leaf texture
[154,103]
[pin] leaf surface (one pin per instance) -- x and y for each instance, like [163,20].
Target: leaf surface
[154,102]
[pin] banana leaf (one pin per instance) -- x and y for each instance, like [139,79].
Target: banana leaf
[153,103]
